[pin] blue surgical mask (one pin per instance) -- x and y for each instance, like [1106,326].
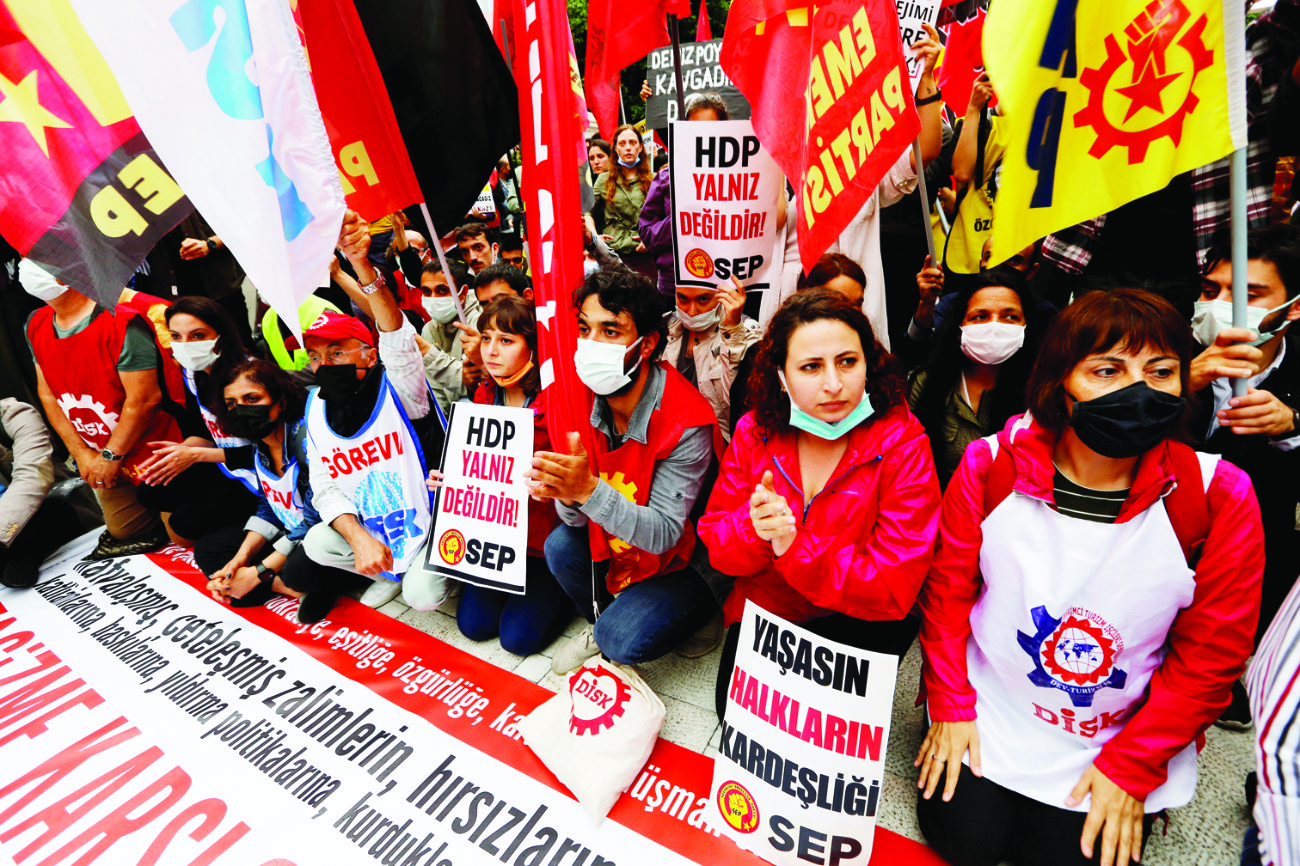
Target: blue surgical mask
[632,164]
[801,420]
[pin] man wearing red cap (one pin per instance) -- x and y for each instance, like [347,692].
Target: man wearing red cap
[368,425]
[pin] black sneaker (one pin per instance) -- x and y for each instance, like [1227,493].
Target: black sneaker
[315,606]
[110,546]
[21,572]
[1237,716]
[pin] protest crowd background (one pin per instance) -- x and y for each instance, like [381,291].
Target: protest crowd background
[971,382]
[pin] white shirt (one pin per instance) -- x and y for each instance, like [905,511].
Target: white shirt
[1223,393]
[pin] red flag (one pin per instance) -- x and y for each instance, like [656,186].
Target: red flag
[830,100]
[963,61]
[368,149]
[81,190]
[549,128]
[618,35]
[703,30]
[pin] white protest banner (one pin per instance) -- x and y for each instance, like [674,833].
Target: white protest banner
[726,188]
[485,206]
[701,73]
[223,91]
[911,15]
[480,530]
[802,759]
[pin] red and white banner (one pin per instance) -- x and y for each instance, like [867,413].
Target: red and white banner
[222,89]
[373,166]
[830,99]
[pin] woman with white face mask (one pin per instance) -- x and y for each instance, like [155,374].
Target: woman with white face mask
[188,479]
[975,377]
[826,506]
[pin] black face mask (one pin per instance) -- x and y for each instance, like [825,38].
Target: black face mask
[1127,422]
[338,382]
[252,422]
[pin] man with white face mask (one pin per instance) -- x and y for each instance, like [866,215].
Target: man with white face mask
[707,338]
[623,550]
[1259,433]
[442,338]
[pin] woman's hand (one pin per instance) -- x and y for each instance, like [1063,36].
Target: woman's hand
[770,513]
[1113,812]
[732,300]
[168,460]
[941,751]
[434,481]
[231,583]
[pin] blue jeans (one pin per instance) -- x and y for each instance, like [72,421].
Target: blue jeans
[645,621]
[526,623]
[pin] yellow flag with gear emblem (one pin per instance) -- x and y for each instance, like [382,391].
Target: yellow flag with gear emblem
[1105,101]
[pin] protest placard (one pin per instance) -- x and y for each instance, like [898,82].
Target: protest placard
[802,760]
[911,15]
[480,530]
[701,73]
[485,206]
[726,189]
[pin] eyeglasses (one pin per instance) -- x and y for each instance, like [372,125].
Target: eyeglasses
[517,261]
[338,356]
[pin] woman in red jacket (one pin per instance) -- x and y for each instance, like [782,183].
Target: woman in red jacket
[1093,597]
[827,504]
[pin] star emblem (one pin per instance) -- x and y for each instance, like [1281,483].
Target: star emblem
[1145,92]
[20,103]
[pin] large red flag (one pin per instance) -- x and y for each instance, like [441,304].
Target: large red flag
[368,149]
[81,190]
[963,59]
[830,100]
[549,127]
[618,35]
[703,29]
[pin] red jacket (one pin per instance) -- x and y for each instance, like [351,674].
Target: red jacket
[1207,645]
[865,541]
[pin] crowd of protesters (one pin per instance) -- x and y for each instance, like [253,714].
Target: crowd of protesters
[1048,479]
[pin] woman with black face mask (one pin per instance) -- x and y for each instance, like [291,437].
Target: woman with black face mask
[1092,599]
[261,404]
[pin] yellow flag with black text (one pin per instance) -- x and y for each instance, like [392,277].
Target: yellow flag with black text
[1105,101]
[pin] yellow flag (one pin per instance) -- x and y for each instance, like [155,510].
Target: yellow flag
[1105,101]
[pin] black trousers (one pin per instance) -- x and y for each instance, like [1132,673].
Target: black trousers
[200,500]
[299,573]
[985,824]
[891,637]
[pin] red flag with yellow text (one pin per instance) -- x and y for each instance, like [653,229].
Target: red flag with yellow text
[618,35]
[828,86]
[81,190]
[368,149]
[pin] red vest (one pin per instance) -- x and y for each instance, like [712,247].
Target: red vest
[154,310]
[81,371]
[630,468]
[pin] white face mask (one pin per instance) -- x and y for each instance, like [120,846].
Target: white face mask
[701,321]
[441,309]
[991,343]
[1212,317]
[195,356]
[600,365]
[37,281]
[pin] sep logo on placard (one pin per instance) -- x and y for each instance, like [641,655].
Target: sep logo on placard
[699,264]
[738,807]
[451,547]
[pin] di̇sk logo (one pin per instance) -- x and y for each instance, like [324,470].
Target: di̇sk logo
[1075,654]
[92,418]
[599,697]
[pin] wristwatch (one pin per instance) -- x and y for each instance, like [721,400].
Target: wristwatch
[212,245]
[372,287]
[1295,426]
[110,456]
[263,573]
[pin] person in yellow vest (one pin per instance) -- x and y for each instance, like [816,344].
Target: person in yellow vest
[308,311]
[975,163]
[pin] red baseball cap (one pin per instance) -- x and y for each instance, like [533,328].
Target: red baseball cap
[330,325]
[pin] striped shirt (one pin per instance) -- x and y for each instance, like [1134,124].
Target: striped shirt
[1075,500]
[1273,682]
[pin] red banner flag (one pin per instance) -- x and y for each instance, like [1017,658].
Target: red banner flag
[618,35]
[703,29]
[368,149]
[963,60]
[550,127]
[830,100]
[81,190]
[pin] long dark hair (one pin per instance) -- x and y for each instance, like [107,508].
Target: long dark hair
[885,381]
[291,396]
[514,315]
[644,172]
[944,366]
[230,347]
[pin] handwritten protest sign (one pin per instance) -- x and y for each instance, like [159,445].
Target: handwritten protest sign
[701,73]
[802,759]
[480,531]
[911,15]
[726,189]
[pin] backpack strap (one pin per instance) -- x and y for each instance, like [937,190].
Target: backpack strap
[298,449]
[1000,478]
[1188,504]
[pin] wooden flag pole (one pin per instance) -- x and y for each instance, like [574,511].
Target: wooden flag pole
[436,242]
[1237,218]
[925,200]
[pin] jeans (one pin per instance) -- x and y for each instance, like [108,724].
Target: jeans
[526,623]
[648,619]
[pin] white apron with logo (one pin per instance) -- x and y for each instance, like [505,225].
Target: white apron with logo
[1068,630]
[248,477]
[282,493]
[380,470]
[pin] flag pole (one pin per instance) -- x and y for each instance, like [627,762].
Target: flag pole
[436,243]
[925,199]
[1238,221]
[674,33]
